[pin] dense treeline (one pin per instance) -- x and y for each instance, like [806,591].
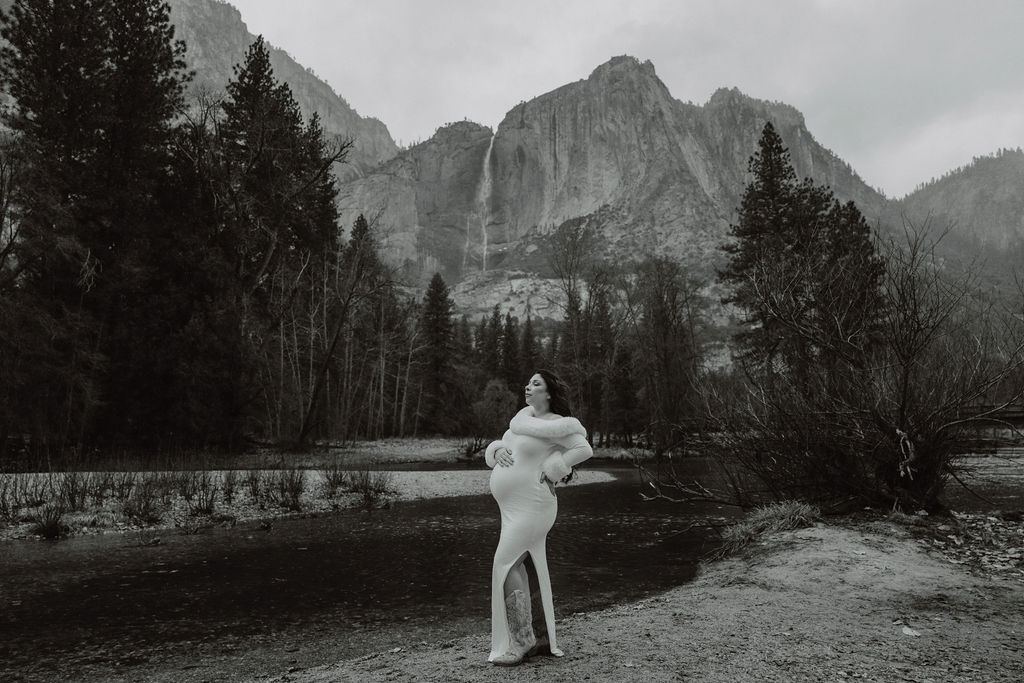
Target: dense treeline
[173,276]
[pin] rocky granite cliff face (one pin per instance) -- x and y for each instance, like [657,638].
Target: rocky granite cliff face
[648,173]
[217,39]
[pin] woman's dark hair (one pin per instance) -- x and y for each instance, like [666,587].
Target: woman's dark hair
[559,403]
[559,393]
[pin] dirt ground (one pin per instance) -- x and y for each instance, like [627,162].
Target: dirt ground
[875,598]
[872,601]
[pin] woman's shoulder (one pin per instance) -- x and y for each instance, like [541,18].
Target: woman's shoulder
[550,426]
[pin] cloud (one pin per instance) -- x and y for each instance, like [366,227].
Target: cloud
[947,142]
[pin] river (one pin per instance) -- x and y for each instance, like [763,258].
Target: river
[229,604]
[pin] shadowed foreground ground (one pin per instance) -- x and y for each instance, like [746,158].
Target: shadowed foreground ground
[830,603]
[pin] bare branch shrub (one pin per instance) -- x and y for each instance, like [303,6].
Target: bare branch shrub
[287,487]
[334,476]
[254,482]
[372,485]
[48,522]
[879,421]
[142,505]
[204,488]
[228,485]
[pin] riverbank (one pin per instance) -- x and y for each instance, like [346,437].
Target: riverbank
[878,597]
[174,497]
[868,600]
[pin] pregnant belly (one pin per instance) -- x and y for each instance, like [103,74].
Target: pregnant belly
[508,483]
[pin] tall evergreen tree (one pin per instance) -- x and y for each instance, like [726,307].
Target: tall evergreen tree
[529,350]
[511,366]
[439,380]
[489,344]
[273,227]
[95,86]
[802,265]
[760,233]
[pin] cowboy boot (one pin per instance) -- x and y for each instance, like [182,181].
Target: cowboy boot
[520,629]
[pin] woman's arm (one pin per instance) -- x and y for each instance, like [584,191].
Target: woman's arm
[559,464]
[493,447]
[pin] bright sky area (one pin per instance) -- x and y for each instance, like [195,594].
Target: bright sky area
[903,90]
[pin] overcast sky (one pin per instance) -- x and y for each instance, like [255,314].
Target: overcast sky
[904,90]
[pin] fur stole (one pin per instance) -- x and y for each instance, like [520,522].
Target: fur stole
[526,424]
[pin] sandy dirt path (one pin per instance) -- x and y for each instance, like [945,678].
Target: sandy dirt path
[828,603]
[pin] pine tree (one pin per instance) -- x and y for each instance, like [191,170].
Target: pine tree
[510,361]
[760,234]
[262,139]
[274,227]
[489,344]
[95,85]
[802,265]
[529,351]
[438,377]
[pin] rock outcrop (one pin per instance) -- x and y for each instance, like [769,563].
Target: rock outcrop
[649,175]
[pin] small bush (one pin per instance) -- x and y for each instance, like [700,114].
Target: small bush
[290,484]
[72,490]
[372,485]
[204,499]
[48,522]
[6,498]
[123,485]
[228,485]
[143,506]
[767,519]
[334,476]
[100,485]
[188,485]
[255,484]
[32,491]
[471,447]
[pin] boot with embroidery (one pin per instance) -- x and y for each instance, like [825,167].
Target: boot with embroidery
[520,630]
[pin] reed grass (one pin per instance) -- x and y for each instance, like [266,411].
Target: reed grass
[765,520]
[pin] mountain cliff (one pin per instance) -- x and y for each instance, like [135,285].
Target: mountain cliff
[217,38]
[647,173]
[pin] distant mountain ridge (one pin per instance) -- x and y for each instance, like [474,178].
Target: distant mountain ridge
[983,200]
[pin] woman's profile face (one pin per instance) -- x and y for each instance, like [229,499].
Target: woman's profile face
[537,392]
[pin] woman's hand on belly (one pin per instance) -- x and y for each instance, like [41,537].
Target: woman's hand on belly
[503,457]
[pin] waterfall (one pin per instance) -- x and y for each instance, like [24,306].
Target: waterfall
[483,202]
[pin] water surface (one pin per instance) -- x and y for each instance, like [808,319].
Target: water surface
[257,600]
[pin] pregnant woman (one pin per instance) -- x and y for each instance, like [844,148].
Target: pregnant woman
[542,445]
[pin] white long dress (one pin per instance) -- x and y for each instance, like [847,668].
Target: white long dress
[540,446]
